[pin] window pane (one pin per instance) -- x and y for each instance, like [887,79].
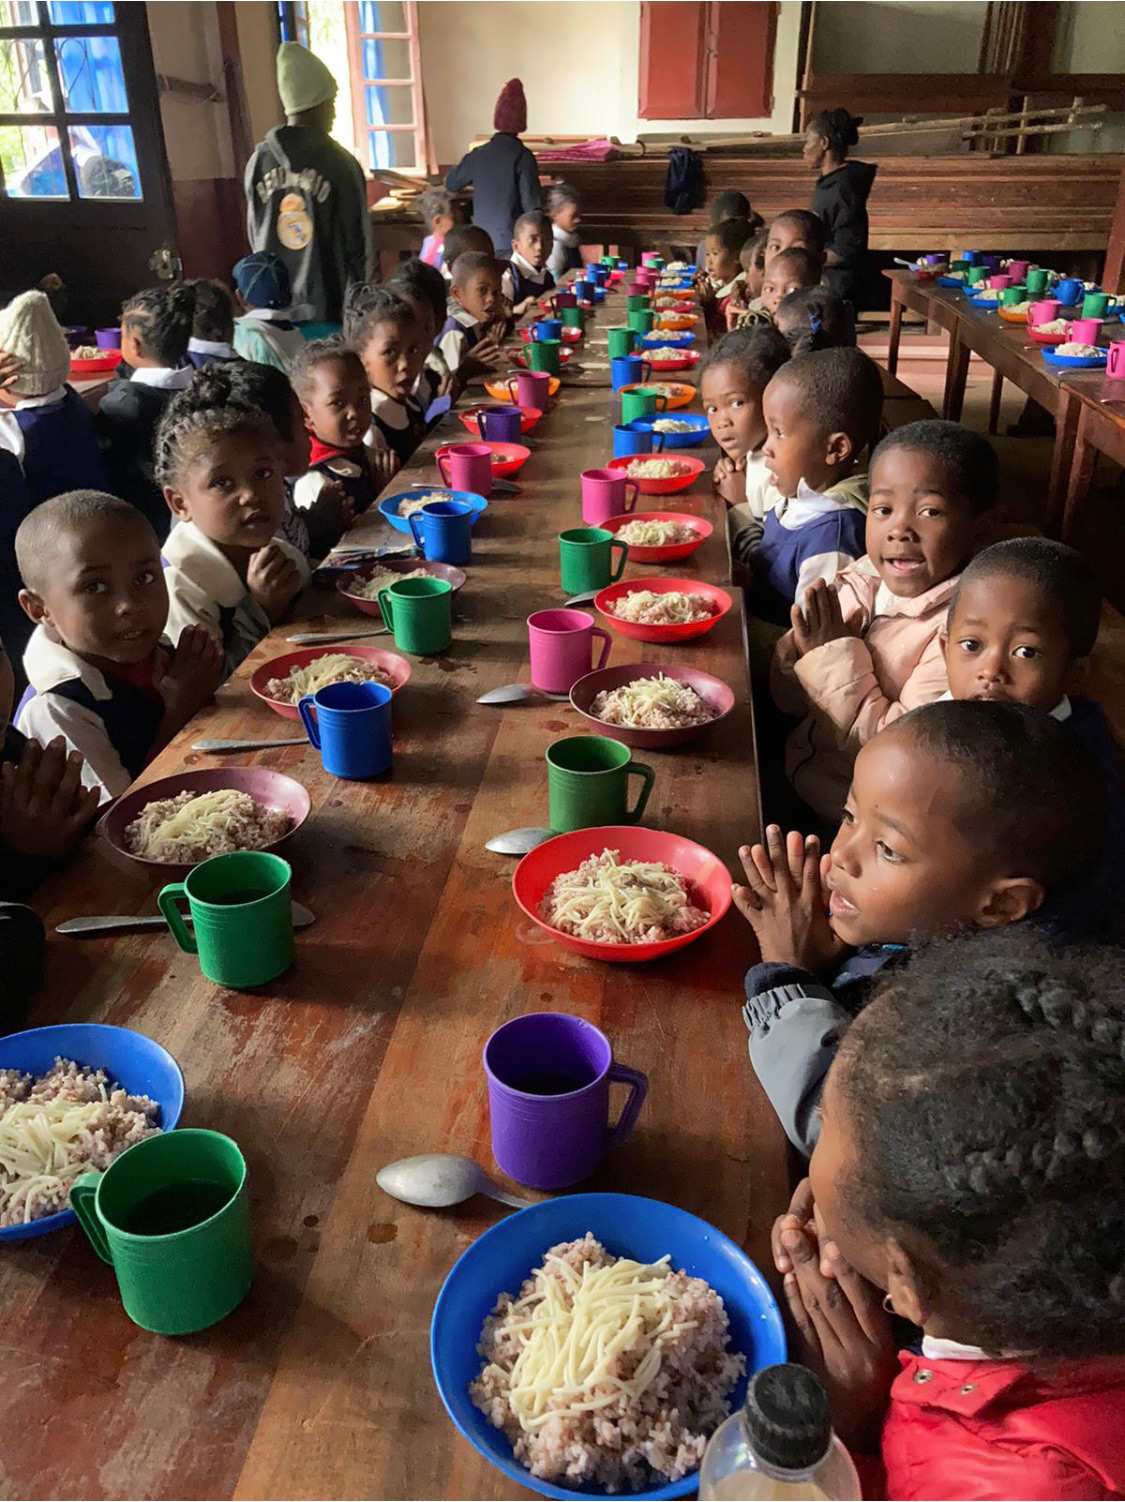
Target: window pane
[386,59]
[389,105]
[25,88]
[382,15]
[91,76]
[391,148]
[81,12]
[18,13]
[105,161]
[32,161]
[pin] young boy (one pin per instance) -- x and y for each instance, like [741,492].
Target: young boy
[265,333]
[821,411]
[474,309]
[796,229]
[733,380]
[960,816]
[212,328]
[526,277]
[722,272]
[103,680]
[561,206]
[332,387]
[786,273]
[463,237]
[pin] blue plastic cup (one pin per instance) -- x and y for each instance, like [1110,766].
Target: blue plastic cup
[601,276]
[627,370]
[350,725]
[547,328]
[586,290]
[500,424]
[633,438]
[444,531]
[1068,290]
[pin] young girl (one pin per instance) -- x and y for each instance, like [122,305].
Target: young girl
[734,377]
[386,336]
[227,568]
[970,1177]
[155,329]
[814,318]
[787,273]
[436,206]
[561,205]
[745,306]
[331,385]
[265,333]
[212,328]
[866,648]
[716,282]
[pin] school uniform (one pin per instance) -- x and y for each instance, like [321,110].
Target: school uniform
[716,316]
[396,425]
[350,466]
[111,719]
[202,352]
[52,439]
[460,333]
[522,280]
[810,536]
[204,588]
[426,387]
[565,253]
[745,521]
[294,529]
[268,336]
[126,426]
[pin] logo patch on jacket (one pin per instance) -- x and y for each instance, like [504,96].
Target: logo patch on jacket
[294,222]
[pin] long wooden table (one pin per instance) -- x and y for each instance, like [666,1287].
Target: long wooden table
[369,1050]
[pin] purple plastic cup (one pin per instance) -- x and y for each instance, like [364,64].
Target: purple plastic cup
[108,338]
[544,1134]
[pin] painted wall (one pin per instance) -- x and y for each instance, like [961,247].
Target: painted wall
[257,42]
[899,36]
[185,44]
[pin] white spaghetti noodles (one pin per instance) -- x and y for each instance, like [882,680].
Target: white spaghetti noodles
[382,578]
[611,901]
[657,469]
[652,704]
[673,608]
[643,534]
[416,502]
[191,827]
[333,667]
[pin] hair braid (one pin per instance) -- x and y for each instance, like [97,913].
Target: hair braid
[206,408]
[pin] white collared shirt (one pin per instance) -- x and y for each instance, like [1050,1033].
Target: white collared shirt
[452,345]
[536,274]
[218,347]
[1062,710]
[11,434]
[163,376]
[728,288]
[794,512]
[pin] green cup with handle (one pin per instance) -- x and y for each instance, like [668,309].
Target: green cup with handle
[622,341]
[544,355]
[1095,305]
[977,274]
[1009,296]
[641,320]
[242,914]
[420,612]
[588,783]
[1038,280]
[573,318]
[586,559]
[642,401]
[172,1217]
[636,302]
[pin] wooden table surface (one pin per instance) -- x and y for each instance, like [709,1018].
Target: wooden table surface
[369,1050]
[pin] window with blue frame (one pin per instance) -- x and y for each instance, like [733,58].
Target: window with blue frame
[64,108]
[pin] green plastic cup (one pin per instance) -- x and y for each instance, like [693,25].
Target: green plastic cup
[637,302]
[1095,305]
[622,341]
[586,559]
[420,612]
[543,355]
[1038,279]
[978,274]
[172,1217]
[588,783]
[1009,296]
[242,913]
[641,320]
[642,401]
[573,318]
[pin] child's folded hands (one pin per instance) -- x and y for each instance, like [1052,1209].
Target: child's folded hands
[384,466]
[819,619]
[44,809]
[729,480]
[273,579]
[191,676]
[785,903]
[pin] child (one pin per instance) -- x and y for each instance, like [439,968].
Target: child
[561,205]
[265,333]
[786,273]
[868,648]
[723,272]
[155,329]
[331,385]
[212,328]
[526,277]
[318,527]
[388,339]
[463,237]
[814,318]
[745,306]
[971,1168]
[474,308]
[94,587]
[821,411]
[797,229]
[436,207]
[959,816]
[734,376]
[227,569]
[729,204]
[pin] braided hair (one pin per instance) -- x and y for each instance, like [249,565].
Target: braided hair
[814,318]
[986,1086]
[206,408]
[759,351]
[838,128]
[160,318]
[364,312]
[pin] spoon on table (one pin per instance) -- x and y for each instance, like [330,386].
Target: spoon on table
[218,746]
[314,638]
[83,928]
[518,841]
[520,693]
[437,1180]
[586,598]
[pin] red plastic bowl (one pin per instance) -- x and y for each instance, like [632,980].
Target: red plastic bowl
[344,584]
[278,667]
[570,335]
[713,691]
[709,880]
[686,359]
[521,359]
[529,416]
[101,364]
[641,631]
[671,551]
[509,457]
[272,789]
[1041,338]
[670,486]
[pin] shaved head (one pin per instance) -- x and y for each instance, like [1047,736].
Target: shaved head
[41,530]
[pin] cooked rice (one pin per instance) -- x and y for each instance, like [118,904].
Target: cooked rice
[657,469]
[673,608]
[665,352]
[627,1442]
[1055,326]
[382,578]
[672,425]
[1017,307]
[221,822]
[644,534]
[416,502]
[610,901]
[89,352]
[332,667]
[658,703]
[1074,351]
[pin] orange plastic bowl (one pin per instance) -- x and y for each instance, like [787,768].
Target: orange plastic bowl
[278,667]
[677,320]
[655,486]
[1009,316]
[671,551]
[500,391]
[708,882]
[507,458]
[345,585]
[643,631]
[529,416]
[686,359]
[569,335]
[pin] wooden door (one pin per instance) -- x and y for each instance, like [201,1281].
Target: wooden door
[707,59]
[84,183]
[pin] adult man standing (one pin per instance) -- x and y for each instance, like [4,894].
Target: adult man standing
[306,198]
[503,173]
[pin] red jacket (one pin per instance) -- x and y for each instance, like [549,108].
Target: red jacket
[999,1429]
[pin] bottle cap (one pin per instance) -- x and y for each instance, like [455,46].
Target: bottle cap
[787,1418]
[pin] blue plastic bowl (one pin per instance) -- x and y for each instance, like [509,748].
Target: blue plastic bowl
[129,1058]
[659,341]
[1073,362]
[390,504]
[626,1225]
[700,429]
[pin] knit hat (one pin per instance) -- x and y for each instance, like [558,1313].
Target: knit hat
[30,331]
[510,115]
[263,280]
[303,81]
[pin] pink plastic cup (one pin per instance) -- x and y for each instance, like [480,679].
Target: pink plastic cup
[1043,312]
[1115,361]
[646,277]
[1017,270]
[562,648]
[1084,330]
[998,283]
[565,300]
[605,493]
[467,466]
[531,388]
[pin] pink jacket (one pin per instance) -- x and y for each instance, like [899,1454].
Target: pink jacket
[848,690]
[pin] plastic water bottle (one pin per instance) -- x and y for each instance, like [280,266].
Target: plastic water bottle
[780,1446]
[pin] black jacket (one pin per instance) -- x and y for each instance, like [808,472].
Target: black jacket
[504,177]
[126,427]
[840,199]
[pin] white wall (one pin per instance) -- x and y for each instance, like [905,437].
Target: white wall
[470,50]
[185,44]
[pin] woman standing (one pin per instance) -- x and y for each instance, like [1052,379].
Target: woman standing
[840,198]
[503,173]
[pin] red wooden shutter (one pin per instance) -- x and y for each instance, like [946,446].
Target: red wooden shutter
[740,42]
[672,73]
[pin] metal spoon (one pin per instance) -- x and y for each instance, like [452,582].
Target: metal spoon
[82,928]
[519,693]
[217,746]
[518,841]
[585,598]
[314,638]
[437,1180]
